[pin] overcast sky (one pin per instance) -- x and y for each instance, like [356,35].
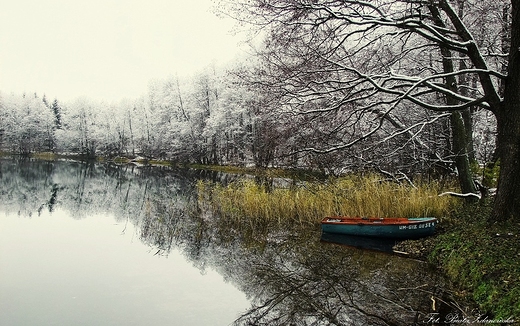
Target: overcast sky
[106,49]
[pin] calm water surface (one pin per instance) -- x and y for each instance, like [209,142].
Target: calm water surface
[56,270]
[85,244]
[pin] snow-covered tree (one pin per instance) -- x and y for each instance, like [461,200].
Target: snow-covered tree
[81,125]
[384,55]
[26,124]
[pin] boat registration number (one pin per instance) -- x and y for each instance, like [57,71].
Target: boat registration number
[416,226]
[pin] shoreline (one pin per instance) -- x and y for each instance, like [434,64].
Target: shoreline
[480,259]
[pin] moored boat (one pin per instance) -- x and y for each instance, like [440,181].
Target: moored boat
[390,227]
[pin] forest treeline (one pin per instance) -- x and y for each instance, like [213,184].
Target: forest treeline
[219,117]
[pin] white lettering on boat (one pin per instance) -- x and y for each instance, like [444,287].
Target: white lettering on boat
[416,226]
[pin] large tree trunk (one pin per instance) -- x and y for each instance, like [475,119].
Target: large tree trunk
[459,130]
[460,148]
[507,201]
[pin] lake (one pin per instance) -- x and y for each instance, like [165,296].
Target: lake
[102,244]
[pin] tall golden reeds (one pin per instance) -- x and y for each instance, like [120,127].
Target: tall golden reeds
[309,202]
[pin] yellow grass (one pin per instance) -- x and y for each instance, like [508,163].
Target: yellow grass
[310,202]
[49,156]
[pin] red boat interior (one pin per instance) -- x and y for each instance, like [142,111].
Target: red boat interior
[367,220]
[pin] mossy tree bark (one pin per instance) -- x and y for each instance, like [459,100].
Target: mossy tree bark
[507,201]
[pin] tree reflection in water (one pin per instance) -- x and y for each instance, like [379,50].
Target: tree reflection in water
[290,277]
[293,279]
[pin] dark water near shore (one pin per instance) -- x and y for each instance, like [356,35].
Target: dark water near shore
[94,244]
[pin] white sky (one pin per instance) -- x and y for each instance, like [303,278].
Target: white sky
[106,49]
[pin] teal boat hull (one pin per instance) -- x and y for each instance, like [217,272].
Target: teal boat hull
[409,228]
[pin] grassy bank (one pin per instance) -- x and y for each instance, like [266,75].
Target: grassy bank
[482,259]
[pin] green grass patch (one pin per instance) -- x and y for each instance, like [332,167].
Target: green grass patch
[309,202]
[482,258]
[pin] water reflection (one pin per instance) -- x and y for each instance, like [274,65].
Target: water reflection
[383,245]
[290,277]
[29,187]
[60,271]
[296,280]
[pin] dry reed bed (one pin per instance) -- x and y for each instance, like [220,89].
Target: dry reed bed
[309,202]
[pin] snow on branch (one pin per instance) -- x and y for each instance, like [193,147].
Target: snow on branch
[455,194]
